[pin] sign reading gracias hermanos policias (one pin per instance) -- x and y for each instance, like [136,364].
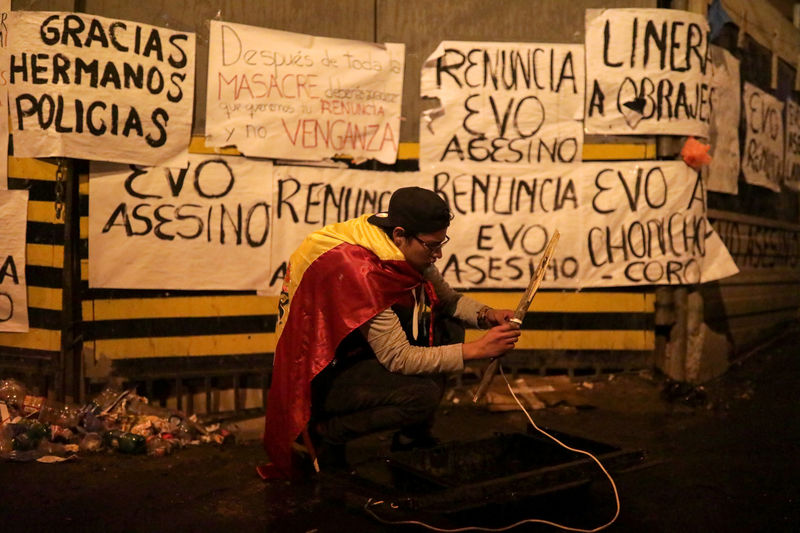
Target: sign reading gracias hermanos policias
[95,88]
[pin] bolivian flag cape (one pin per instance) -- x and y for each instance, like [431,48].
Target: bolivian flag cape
[339,277]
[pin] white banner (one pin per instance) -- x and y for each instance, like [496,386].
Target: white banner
[292,96]
[95,88]
[762,160]
[647,72]
[514,104]
[207,227]
[13,288]
[726,96]
[791,176]
[621,223]
[5,10]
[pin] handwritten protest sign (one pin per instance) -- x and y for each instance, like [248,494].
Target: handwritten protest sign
[762,160]
[293,96]
[102,89]
[757,247]
[205,227]
[791,177]
[13,288]
[647,72]
[5,9]
[515,104]
[621,223]
[723,171]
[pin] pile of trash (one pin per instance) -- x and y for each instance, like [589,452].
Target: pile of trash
[36,428]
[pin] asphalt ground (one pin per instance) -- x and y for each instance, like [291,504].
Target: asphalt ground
[723,458]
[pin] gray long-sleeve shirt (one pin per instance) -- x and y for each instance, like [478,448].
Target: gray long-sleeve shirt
[388,340]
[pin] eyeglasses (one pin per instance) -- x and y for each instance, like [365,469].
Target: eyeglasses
[433,247]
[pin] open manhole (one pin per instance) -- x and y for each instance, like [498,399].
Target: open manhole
[505,468]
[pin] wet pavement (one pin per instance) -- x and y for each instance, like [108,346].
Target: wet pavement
[720,459]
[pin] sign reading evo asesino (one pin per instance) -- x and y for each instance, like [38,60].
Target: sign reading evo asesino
[205,227]
[647,72]
[102,89]
[293,96]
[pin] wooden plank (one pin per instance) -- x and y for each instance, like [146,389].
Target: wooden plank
[619,302]
[188,306]
[580,340]
[32,169]
[218,344]
[48,255]
[44,298]
[749,299]
[43,212]
[34,339]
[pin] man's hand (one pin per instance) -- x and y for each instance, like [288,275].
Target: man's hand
[493,343]
[498,317]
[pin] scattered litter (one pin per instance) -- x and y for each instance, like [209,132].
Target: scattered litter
[587,385]
[536,392]
[34,428]
[55,459]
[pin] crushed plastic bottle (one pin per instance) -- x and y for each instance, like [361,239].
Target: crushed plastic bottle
[105,401]
[91,442]
[59,414]
[13,393]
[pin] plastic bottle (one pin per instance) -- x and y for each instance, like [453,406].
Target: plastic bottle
[104,401]
[91,442]
[13,393]
[59,414]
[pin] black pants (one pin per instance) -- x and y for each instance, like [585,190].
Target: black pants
[359,396]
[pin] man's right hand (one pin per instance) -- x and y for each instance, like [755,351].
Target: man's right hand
[493,343]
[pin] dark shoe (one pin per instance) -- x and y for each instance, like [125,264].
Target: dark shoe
[403,443]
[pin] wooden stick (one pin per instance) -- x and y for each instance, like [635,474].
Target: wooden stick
[519,313]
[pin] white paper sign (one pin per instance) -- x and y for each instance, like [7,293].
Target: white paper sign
[723,171]
[96,88]
[514,104]
[292,96]
[647,72]
[13,288]
[792,171]
[5,10]
[207,227]
[621,224]
[762,160]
